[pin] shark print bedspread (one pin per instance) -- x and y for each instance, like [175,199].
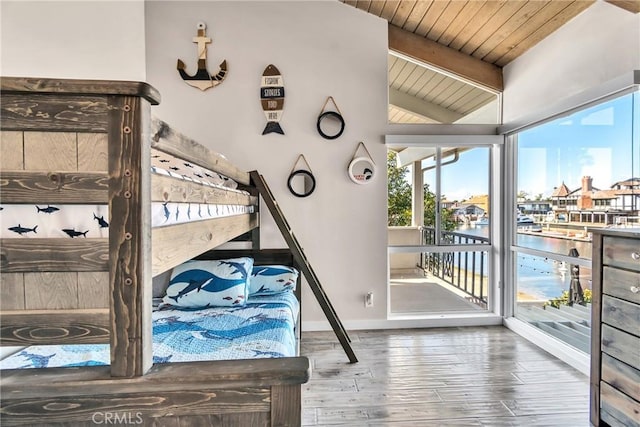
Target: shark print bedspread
[261,329]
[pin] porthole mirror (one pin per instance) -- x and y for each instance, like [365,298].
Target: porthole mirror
[361,170]
[330,125]
[301,183]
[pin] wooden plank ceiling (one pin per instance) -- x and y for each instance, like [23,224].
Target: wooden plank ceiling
[489,33]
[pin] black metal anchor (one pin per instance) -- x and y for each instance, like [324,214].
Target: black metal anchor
[202,79]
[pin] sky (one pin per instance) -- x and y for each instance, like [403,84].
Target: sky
[596,142]
[467,177]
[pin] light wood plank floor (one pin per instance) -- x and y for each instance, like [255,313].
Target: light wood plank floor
[475,376]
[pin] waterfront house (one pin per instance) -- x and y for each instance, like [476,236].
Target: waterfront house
[591,205]
[627,195]
[481,201]
[534,207]
[468,210]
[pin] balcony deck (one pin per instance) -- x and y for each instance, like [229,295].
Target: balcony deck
[414,292]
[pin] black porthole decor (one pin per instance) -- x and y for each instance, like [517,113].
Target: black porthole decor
[301,182]
[330,124]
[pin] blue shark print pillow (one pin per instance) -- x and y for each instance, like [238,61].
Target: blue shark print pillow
[272,279]
[200,284]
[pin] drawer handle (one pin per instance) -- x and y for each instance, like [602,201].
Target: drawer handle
[635,289]
[635,256]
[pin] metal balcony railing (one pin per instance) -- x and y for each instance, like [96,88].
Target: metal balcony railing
[465,270]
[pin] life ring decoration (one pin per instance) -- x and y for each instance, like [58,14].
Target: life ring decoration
[308,180]
[333,116]
[361,169]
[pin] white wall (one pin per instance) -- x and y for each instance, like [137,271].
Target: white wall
[321,48]
[599,45]
[83,40]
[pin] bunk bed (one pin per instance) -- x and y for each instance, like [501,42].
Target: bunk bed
[86,142]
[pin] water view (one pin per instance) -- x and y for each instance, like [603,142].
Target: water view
[541,278]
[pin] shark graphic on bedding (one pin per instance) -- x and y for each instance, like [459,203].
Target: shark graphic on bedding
[92,221]
[209,283]
[200,280]
[264,328]
[54,221]
[49,209]
[19,221]
[266,280]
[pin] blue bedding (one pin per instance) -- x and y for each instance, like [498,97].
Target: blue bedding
[263,328]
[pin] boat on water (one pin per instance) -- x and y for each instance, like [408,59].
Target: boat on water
[529,227]
[523,219]
[520,221]
[482,221]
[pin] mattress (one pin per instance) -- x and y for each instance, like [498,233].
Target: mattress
[263,328]
[92,221]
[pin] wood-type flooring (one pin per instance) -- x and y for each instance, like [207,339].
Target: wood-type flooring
[471,376]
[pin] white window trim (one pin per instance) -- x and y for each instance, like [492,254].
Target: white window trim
[481,135]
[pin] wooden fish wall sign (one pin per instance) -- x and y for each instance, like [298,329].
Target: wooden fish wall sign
[272,99]
[202,79]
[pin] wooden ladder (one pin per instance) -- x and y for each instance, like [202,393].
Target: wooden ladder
[302,261]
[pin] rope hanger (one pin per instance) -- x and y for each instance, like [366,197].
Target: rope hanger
[330,98]
[361,144]
[333,114]
[301,156]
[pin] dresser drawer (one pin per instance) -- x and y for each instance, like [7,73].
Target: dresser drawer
[622,314]
[621,345]
[618,409]
[621,284]
[621,252]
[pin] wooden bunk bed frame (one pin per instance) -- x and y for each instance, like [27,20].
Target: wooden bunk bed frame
[112,278]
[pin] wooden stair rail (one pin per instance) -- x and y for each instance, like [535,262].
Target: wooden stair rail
[301,259]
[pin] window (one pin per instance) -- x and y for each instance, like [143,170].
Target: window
[587,166]
[440,224]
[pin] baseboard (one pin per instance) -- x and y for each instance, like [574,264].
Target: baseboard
[408,322]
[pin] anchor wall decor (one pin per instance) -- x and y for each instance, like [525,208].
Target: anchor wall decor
[202,79]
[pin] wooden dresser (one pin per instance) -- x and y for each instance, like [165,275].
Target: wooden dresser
[615,329]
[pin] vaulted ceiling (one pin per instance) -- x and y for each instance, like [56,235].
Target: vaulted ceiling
[446,56]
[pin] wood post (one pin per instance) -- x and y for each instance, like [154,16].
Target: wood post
[130,236]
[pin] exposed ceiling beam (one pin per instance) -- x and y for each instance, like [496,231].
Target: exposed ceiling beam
[630,5]
[445,58]
[421,107]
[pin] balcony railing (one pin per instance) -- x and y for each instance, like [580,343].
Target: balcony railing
[465,270]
